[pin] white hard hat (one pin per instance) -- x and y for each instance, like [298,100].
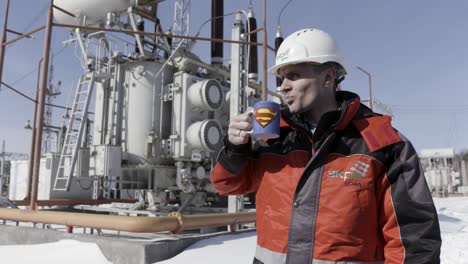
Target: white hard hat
[308,45]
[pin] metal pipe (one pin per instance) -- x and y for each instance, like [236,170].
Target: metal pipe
[169,44]
[264,50]
[140,26]
[73,202]
[41,107]
[25,35]
[65,11]
[138,39]
[3,39]
[17,33]
[254,31]
[128,223]
[33,136]
[208,67]
[160,35]
[371,102]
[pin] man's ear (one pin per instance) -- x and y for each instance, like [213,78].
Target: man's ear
[329,77]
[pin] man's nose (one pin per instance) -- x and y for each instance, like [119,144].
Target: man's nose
[285,87]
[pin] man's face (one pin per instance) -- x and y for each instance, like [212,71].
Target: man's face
[302,87]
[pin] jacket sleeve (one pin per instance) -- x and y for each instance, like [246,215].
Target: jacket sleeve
[408,218]
[234,172]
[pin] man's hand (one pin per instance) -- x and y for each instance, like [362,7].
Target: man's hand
[240,127]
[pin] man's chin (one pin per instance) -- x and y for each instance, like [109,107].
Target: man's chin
[293,110]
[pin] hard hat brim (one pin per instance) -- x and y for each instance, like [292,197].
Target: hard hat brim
[319,60]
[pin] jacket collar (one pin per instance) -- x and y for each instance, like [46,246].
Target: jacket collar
[350,108]
[349,103]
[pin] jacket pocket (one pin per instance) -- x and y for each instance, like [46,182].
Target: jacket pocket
[362,194]
[363,199]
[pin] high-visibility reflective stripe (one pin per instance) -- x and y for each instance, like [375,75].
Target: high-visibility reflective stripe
[269,257]
[316,261]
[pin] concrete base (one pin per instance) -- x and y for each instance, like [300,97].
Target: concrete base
[122,249]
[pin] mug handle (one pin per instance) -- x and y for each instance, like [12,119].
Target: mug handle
[251,113]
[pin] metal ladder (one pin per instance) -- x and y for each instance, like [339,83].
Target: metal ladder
[74,132]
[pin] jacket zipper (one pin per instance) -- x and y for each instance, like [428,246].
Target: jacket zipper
[314,157]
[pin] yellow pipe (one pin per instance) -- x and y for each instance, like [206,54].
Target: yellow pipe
[128,223]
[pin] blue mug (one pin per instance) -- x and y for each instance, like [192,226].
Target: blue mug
[266,120]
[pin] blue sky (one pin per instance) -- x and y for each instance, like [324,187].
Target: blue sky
[415,50]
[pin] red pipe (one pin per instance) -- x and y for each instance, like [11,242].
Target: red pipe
[2,41]
[33,136]
[41,106]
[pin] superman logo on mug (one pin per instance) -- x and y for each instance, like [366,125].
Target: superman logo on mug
[264,115]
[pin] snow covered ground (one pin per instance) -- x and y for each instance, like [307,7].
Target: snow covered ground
[63,251]
[219,250]
[453,215]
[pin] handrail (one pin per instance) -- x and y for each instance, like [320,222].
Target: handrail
[128,223]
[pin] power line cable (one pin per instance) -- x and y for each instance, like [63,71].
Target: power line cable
[37,17]
[18,92]
[430,106]
[26,75]
[429,110]
[34,101]
[281,12]
[451,129]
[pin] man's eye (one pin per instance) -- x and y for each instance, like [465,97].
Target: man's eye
[293,76]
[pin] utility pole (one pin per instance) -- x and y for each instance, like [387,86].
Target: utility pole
[2,168]
[3,39]
[41,107]
[371,104]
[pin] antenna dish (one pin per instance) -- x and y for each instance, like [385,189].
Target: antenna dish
[92,12]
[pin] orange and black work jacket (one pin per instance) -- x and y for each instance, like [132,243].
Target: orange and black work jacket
[352,192]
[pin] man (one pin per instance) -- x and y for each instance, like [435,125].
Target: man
[340,185]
